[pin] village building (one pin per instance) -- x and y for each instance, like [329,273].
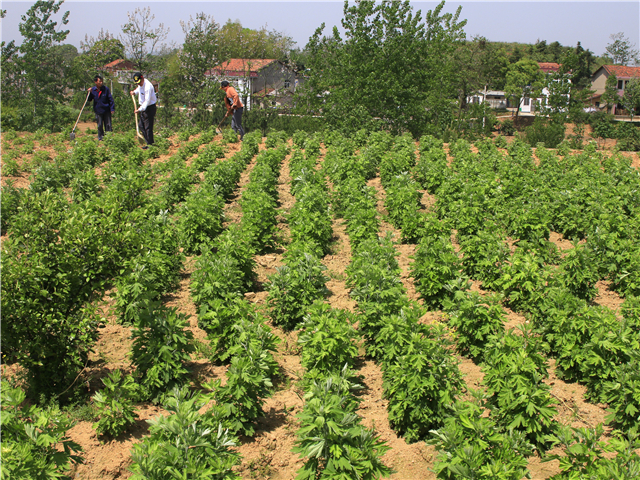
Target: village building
[259,82]
[599,80]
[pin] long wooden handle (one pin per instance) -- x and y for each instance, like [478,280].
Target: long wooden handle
[135,108]
[81,110]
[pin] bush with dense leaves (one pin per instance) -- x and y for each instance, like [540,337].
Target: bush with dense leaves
[114,404]
[328,339]
[35,443]
[331,438]
[185,443]
[470,445]
[161,348]
[294,287]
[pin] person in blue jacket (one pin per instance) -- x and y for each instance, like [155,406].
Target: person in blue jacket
[103,105]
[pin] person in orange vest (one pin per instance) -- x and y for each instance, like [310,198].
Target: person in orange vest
[234,107]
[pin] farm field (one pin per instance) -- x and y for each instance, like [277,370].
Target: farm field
[431,268]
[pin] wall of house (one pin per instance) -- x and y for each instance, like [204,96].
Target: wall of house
[274,76]
[599,80]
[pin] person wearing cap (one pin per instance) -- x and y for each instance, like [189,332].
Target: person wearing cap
[103,105]
[235,107]
[147,106]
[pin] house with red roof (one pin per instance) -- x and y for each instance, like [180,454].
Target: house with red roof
[599,79]
[122,70]
[259,81]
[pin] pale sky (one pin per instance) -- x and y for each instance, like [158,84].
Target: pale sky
[590,22]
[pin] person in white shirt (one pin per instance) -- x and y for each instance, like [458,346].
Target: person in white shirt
[147,106]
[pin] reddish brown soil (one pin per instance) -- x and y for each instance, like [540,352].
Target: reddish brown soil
[268,455]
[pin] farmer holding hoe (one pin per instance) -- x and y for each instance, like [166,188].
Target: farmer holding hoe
[147,109]
[103,105]
[235,107]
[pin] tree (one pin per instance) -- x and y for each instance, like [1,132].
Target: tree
[580,63]
[9,78]
[237,41]
[621,50]
[524,80]
[392,66]
[199,53]
[140,40]
[43,67]
[631,97]
[97,52]
[610,95]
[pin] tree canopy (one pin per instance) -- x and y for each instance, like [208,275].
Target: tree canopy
[392,65]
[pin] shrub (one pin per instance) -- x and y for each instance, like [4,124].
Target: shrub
[186,442]
[114,404]
[471,445]
[161,347]
[248,384]
[518,398]
[475,318]
[201,218]
[435,264]
[622,394]
[507,127]
[421,387]
[628,136]
[35,443]
[586,456]
[294,287]
[327,338]
[543,131]
[331,439]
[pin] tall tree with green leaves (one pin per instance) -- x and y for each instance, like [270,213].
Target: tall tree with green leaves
[524,80]
[610,96]
[580,63]
[237,41]
[191,83]
[10,79]
[392,65]
[42,67]
[98,51]
[631,97]
[621,50]
[140,39]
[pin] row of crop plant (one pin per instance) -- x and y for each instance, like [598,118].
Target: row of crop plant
[513,364]
[121,234]
[72,235]
[420,377]
[188,440]
[330,439]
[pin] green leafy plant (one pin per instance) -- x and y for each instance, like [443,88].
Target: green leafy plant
[327,338]
[186,443]
[161,347]
[586,456]
[421,386]
[579,272]
[248,384]
[475,318]
[10,167]
[259,218]
[471,445]
[435,264]
[201,218]
[622,394]
[35,443]
[294,287]
[114,404]
[518,399]
[332,440]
